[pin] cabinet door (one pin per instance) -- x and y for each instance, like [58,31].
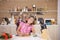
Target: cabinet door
[1,30]
[13,30]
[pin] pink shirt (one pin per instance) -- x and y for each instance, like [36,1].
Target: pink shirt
[25,28]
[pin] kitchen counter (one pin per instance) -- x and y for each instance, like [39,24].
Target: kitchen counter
[51,29]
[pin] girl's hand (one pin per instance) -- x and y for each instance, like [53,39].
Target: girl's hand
[33,30]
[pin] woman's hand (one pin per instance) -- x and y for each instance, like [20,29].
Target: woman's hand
[18,31]
[21,34]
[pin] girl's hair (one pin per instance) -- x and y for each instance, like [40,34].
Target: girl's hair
[41,21]
[33,21]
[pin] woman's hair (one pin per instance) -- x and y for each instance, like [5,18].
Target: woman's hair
[33,18]
[7,20]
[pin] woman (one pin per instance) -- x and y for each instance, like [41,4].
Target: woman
[24,17]
[21,19]
[25,29]
[5,21]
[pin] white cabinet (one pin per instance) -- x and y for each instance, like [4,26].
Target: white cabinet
[11,29]
[53,31]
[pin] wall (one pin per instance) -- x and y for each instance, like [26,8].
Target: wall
[7,5]
[58,19]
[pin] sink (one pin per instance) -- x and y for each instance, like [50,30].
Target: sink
[26,38]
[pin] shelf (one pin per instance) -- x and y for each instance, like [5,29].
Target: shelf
[35,11]
[30,11]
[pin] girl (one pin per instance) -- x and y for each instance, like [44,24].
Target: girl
[43,26]
[25,29]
